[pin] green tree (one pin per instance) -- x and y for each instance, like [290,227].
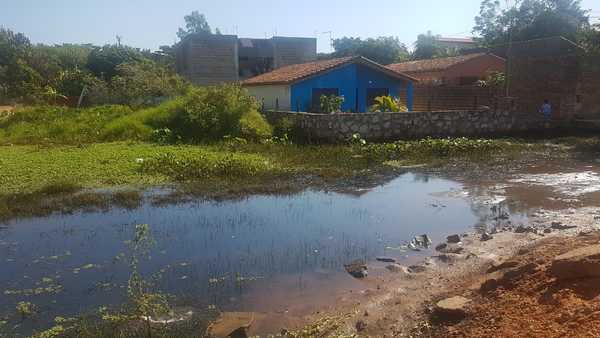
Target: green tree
[384,50]
[529,19]
[194,23]
[103,61]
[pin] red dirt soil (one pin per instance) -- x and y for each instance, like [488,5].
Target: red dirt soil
[526,301]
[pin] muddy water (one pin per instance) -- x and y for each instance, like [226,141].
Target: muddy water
[274,254]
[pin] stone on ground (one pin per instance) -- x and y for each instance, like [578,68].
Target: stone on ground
[231,324]
[357,269]
[580,263]
[386,259]
[452,308]
[453,239]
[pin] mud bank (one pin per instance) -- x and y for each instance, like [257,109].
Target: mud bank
[403,301]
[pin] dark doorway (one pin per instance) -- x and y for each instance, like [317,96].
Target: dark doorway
[372,93]
[316,97]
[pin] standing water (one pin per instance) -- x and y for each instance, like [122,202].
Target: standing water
[260,253]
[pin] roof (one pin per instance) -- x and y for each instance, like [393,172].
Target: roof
[431,65]
[295,73]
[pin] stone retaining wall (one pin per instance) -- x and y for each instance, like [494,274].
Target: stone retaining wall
[395,126]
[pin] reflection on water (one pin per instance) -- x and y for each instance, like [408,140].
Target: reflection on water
[223,254]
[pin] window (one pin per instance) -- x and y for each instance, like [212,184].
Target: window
[316,97]
[372,93]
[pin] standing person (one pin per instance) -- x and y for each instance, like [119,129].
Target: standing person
[546,110]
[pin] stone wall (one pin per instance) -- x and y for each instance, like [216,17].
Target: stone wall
[395,126]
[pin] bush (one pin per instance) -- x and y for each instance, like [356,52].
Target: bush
[388,104]
[253,126]
[331,103]
[208,165]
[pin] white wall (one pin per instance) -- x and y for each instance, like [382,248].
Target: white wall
[270,94]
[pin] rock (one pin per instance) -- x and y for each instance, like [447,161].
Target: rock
[420,242]
[522,229]
[357,269]
[580,263]
[360,326]
[441,246]
[453,239]
[560,226]
[452,308]
[502,266]
[231,324]
[386,259]
[489,285]
[451,248]
[547,230]
[416,268]
[397,268]
[486,237]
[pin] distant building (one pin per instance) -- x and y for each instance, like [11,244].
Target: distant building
[299,87]
[456,70]
[456,43]
[208,59]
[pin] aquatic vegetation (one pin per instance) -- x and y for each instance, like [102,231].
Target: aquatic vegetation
[26,309]
[182,167]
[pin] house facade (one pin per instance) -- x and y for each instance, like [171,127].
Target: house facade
[453,71]
[359,80]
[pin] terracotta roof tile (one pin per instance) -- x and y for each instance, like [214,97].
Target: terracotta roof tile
[293,73]
[431,65]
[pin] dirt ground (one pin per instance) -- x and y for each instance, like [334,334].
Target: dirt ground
[532,303]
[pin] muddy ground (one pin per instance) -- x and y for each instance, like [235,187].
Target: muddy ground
[533,304]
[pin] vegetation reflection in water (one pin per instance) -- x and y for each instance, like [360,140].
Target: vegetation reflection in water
[205,256]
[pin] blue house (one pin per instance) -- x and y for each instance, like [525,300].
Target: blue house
[358,79]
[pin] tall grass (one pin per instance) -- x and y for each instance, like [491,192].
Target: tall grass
[204,114]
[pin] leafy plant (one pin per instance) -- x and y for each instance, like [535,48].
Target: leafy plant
[331,103]
[388,104]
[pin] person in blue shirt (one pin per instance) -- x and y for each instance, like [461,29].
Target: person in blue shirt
[546,110]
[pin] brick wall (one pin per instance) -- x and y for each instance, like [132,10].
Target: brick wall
[209,59]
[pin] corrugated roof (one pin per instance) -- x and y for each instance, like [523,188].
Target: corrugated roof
[295,73]
[431,65]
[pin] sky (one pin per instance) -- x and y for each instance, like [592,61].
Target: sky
[151,23]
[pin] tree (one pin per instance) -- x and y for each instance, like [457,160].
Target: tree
[529,19]
[194,23]
[384,50]
[103,61]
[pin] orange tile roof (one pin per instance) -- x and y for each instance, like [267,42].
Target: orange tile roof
[295,73]
[431,65]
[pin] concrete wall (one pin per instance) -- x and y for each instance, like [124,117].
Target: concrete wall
[209,59]
[352,81]
[272,96]
[290,51]
[394,126]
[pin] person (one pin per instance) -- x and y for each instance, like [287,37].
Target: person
[546,110]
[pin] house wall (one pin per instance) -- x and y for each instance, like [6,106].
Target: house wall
[209,59]
[352,82]
[273,97]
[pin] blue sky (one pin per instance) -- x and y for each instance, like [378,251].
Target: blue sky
[151,23]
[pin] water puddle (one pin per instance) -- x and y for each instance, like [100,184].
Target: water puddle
[272,254]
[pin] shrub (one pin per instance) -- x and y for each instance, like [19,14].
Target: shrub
[331,103]
[388,104]
[253,126]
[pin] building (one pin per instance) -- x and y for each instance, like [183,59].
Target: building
[456,43]
[456,70]
[208,59]
[299,87]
